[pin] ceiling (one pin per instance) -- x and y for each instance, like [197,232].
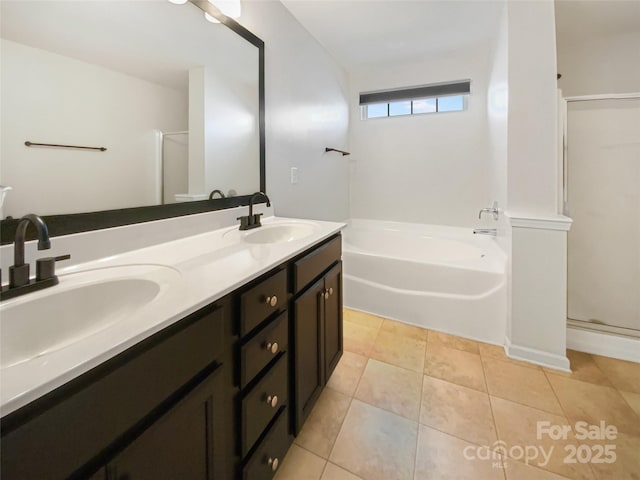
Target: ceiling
[579,20]
[360,33]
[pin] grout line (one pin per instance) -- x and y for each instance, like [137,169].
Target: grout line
[566,416]
[493,416]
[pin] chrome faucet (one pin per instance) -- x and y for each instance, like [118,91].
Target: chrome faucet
[19,282]
[253,221]
[492,210]
[219,192]
[485,231]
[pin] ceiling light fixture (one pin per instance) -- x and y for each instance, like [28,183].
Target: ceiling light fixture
[230,8]
[179,2]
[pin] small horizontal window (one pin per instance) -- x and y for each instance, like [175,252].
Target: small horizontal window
[455,103]
[432,98]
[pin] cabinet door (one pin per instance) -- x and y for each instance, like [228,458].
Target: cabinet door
[308,348]
[332,320]
[185,443]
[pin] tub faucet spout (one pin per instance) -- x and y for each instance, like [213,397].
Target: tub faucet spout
[485,231]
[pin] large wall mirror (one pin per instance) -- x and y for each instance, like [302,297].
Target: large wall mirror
[166,106]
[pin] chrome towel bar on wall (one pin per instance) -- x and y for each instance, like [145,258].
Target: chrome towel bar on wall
[327,149]
[32,144]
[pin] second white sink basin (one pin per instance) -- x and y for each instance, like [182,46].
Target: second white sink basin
[280,233]
[83,304]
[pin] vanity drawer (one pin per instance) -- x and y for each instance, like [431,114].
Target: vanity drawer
[267,297]
[309,267]
[261,349]
[264,400]
[266,460]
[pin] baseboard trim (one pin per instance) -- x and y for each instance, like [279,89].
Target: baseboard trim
[602,343]
[537,357]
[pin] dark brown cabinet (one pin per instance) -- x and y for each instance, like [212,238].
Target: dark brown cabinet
[186,442]
[317,329]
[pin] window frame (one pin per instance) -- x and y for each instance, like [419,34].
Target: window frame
[364,109]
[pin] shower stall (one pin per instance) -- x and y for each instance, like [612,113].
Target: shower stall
[602,196]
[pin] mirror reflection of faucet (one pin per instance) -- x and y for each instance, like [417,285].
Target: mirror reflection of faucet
[3,193]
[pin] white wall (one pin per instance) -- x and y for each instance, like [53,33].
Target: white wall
[306,111]
[96,110]
[532,145]
[433,168]
[597,65]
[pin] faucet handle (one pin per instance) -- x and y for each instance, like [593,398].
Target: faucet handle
[46,267]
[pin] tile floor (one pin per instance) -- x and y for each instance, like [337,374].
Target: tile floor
[407,403]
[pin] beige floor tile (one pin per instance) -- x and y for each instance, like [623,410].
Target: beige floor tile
[300,464]
[457,410]
[496,351]
[362,318]
[627,459]
[452,341]
[584,368]
[633,399]
[321,428]
[455,366]
[347,373]
[399,350]
[518,427]
[595,403]
[399,328]
[393,388]
[623,375]
[520,384]
[376,444]
[334,472]
[359,339]
[520,471]
[445,457]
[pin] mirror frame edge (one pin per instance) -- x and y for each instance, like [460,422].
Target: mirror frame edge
[66,224]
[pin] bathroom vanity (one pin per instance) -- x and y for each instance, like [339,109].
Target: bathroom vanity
[217,387]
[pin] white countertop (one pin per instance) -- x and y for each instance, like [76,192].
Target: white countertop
[205,268]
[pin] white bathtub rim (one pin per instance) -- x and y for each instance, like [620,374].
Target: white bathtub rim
[420,293]
[496,255]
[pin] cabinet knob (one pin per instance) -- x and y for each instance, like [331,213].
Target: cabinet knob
[272,347]
[272,400]
[273,463]
[330,290]
[326,294]
[271,301]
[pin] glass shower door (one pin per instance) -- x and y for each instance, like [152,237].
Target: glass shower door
[603,158]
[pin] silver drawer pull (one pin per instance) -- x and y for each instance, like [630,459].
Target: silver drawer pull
[272,301]
[272,347]
[272,400]
[273,463]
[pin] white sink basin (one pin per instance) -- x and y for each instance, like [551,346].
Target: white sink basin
[280,233]
[83,304]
